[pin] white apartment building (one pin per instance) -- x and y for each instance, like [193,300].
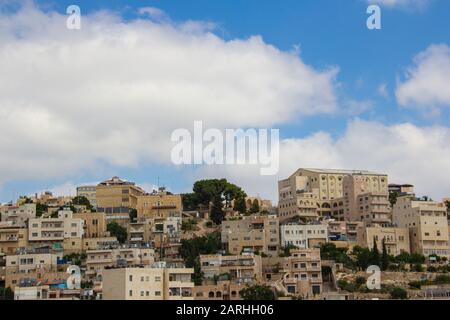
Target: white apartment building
[303,236]
[55,229]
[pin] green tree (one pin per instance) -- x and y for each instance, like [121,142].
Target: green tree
[213,193]
[393,198]
[117,231]
[191,250]
[82,201]
[41,209]
[375,254]
[255,206]
[398,293]
[239,205]
[384,257]
[363,257]
[6,294]
[257,293]
[217,214]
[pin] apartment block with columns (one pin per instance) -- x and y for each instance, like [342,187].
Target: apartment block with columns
[252,234]
[309,193]
[159,282]
[246,268]
[427,224]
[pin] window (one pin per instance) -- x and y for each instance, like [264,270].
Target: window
[157,278]
[158,293]
[130,293]
[131,278]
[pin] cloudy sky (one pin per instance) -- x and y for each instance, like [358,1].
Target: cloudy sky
[78,106]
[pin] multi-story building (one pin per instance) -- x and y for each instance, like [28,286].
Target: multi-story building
[427,224]
[252,234]
[160,205]
[245,268]
[45,292]
[401,189]
[12,238]
[90,193]
[94,224]
[302,273]
[366,198]
[34,264]
[116,198]
[343,230]
[159,282]
[222,290]
[395,239]
[56,229]
[303,235]
[321,185]
[99,259]
[18,215]
[264,205]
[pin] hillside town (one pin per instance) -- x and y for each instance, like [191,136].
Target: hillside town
[115,241]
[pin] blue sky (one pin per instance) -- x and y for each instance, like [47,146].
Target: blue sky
[328,33]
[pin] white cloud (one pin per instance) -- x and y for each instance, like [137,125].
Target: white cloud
[111,93]
[408,154]
[427,82]
[383,90]
[408,4]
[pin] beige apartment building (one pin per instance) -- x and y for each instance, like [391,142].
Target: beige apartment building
[79,245]
[303,235]
[115,197]
[12,238]
[156,230]
[94,225]
[366,198]
[252,234]
[427,223]
[151,283]
[264,205]
[395,239]
[90,193]
[159,205]
[222,290]
[321,185]
[31,266]
[55,229]
[303,273]
[240,269]
[99,259]
[18,215]
[343,230]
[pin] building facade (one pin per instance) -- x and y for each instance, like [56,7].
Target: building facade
[252,234]
[151,283]
[427,224]
[303,236]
